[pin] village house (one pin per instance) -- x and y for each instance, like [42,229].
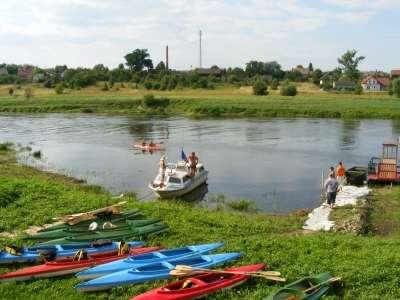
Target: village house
[25,72]
[395,74]
[303,71]
[374,83]
[343,85]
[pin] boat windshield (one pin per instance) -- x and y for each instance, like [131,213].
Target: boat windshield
[174,180]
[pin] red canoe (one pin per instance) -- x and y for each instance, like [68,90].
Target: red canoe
[67,266]
[200,285]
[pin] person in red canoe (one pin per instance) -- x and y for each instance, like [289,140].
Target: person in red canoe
[143,144]
[151,144]
[193,160]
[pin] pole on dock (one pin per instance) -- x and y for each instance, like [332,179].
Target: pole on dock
[322,186]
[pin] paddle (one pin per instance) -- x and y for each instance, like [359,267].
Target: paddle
[182,270]
[331,280]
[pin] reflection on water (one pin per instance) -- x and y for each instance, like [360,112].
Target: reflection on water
[275,162]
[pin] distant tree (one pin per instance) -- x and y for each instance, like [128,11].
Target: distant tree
[148,85]
[294,76]
[160,66]
[274,84]
[316,76]
[288,89]
[121,66]
[138,59]
[11,91]
[396,87]
[358,90]
[349,62]
[12,69]
[310,67]
[260,88]
[390,88]
[28,93]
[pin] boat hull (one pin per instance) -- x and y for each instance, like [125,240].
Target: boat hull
[68,266]
[203,285]
[62,251]
[155,257]
[152,272]
[175,193]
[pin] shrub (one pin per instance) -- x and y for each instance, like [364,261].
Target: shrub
[105,87]
[148,85]
[274,84]
[11,91]
[48,84]
[153,102]
[5,146]
[9,193]
[396,87]
[37,154]
[260,88]
[288,89]
[59,89]
[358,89]
[243,205]
[28,93]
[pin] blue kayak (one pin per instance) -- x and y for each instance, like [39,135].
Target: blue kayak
[148,258]
[155,271]
[32,254]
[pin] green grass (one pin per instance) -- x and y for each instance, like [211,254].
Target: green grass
[385,212]
[366,263]
[224,102]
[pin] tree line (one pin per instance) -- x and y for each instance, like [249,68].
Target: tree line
[138,70]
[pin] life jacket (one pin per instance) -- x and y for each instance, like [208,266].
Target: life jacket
[341,171]
[123,248]
[13,250]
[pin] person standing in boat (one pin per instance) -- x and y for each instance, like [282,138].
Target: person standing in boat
[193,160]
[162,169]
[341,173]
[331,187]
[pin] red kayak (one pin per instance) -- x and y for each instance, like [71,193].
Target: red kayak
[68,266]
[147,147]
[200,285]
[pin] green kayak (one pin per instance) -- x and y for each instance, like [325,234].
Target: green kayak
[72,231]
[117,218]
[115,235]
[296,290]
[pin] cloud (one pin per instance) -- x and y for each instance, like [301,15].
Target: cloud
[85,32]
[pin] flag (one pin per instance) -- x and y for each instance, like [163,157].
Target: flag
[183,155]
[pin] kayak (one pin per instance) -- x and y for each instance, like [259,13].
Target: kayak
[60,233]
[154,257]
[114,219]
[115,235]
[68,266]
[147,147]
[90,215]
[32,254]
[296,289]
[200,285]
[155,271]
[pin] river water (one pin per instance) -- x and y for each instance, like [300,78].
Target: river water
[275,162]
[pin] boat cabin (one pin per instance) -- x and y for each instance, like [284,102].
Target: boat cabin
[386,168]
[177,174]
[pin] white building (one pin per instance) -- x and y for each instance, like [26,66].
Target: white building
[373,84]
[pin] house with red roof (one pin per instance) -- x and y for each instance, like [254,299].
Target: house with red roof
[395,73]
[375,83]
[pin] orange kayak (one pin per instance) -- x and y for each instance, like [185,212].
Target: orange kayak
[147,147]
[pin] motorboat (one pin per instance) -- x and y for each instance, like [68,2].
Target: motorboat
[177,181]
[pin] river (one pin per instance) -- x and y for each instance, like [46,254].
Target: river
[275,162]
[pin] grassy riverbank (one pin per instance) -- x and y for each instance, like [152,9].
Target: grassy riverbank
[366,263]
[221,102]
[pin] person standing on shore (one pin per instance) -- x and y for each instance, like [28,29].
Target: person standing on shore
[331,187]
[341,173]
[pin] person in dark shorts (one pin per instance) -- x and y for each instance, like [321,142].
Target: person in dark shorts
[331,187]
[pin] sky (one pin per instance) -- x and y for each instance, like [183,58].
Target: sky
[87,32]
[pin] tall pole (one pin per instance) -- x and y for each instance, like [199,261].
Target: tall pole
[200,59]
[166,58]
